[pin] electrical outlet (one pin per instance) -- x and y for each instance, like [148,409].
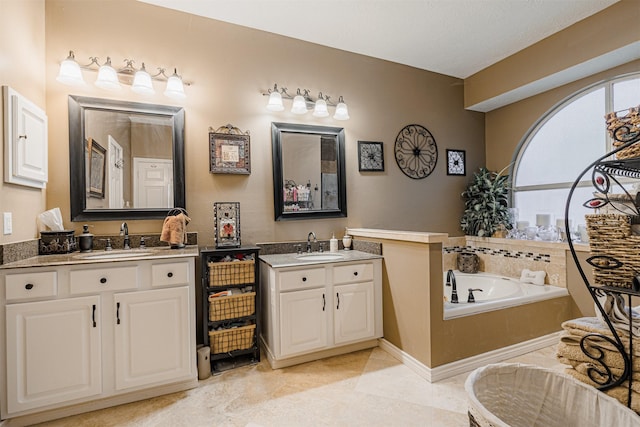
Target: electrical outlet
[8,223]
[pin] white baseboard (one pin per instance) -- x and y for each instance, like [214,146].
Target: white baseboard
[466,365]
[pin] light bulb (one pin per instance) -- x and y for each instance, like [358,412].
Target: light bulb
[70,73]
[299,105]
[107,77]
[275,102]
[320,109]
[175,88]
[142,82]
[342,113]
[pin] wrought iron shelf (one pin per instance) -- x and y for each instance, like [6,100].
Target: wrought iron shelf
[604,172]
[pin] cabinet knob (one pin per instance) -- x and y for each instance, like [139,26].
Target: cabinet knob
[355,273]
[103,280]
[169,274]
[28,286]
[304,279]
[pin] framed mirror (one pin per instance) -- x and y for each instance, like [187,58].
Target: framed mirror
[126,159]
[308,171]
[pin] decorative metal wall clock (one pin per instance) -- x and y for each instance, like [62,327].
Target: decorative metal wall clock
[456,162]
[370,156]
[416,151]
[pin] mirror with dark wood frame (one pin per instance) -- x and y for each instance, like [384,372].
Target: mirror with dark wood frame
[308,171]
[126,159]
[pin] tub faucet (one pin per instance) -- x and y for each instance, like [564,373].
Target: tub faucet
[309,236]
[124,231]
[451,281]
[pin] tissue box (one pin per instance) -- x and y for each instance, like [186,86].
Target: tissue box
[57,242]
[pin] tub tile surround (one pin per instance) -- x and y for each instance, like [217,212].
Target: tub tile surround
[508,257]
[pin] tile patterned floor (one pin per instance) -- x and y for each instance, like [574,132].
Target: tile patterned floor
[365,388]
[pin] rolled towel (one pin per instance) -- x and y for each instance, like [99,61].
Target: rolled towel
[535,277]
[621,393]
[174,229]
[618,313]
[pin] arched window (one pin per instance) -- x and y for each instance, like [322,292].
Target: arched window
[562,144]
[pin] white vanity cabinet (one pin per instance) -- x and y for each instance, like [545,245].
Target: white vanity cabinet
[95,334]
[54,352]
[320,310]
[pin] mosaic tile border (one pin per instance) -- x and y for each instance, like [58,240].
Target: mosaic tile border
[498,252]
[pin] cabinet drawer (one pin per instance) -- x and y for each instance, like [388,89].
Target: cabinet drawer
[170,273]
[352,273]
[31,285]
[104,279]
[301,279]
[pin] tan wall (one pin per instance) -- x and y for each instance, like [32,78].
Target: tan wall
[230,66]
[22,59]
[613,28]
[506,127]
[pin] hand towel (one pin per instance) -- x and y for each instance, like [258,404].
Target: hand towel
[619,314]
[174,229]
[534,277]
[583,368]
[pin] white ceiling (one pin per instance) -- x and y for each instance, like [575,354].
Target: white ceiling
[453,37]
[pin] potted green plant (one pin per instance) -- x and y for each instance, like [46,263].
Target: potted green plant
[486,204]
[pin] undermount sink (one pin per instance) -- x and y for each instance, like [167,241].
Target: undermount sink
[320,256]
[115,255]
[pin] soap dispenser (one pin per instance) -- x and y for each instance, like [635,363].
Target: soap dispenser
[85,240]
[333,243]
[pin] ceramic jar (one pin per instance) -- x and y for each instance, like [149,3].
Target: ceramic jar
[468,262]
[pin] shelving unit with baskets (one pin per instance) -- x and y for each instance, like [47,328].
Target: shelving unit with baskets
[614,249]
[230,286]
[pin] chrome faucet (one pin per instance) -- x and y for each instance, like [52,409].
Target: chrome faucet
[311,234]
[451,281]
[124,231]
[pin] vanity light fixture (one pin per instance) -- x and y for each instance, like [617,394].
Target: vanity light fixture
[302,103]
[110,78]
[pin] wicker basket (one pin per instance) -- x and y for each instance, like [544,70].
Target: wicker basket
[227,340]
[610,235]
[231,307]
[231,273]
[512,394]
[624,128]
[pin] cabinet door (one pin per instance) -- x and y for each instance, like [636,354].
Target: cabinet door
[152,338]
[26,141]
[353,312]
[53,352]
[303,321]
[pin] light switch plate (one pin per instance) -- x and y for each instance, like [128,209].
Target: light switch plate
[8,223]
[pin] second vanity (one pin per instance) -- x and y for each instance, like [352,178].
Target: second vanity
[85,331]
[319,305]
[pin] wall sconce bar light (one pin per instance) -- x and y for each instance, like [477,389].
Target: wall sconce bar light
[110,78]
[303,102]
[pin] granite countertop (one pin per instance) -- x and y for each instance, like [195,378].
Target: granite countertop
[152,252]
[295,260]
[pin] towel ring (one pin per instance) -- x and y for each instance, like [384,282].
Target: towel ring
[177,211]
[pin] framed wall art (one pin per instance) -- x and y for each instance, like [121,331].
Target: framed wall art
[227,224]
[230,151]
[370,156]
[456,162]
[97,168]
